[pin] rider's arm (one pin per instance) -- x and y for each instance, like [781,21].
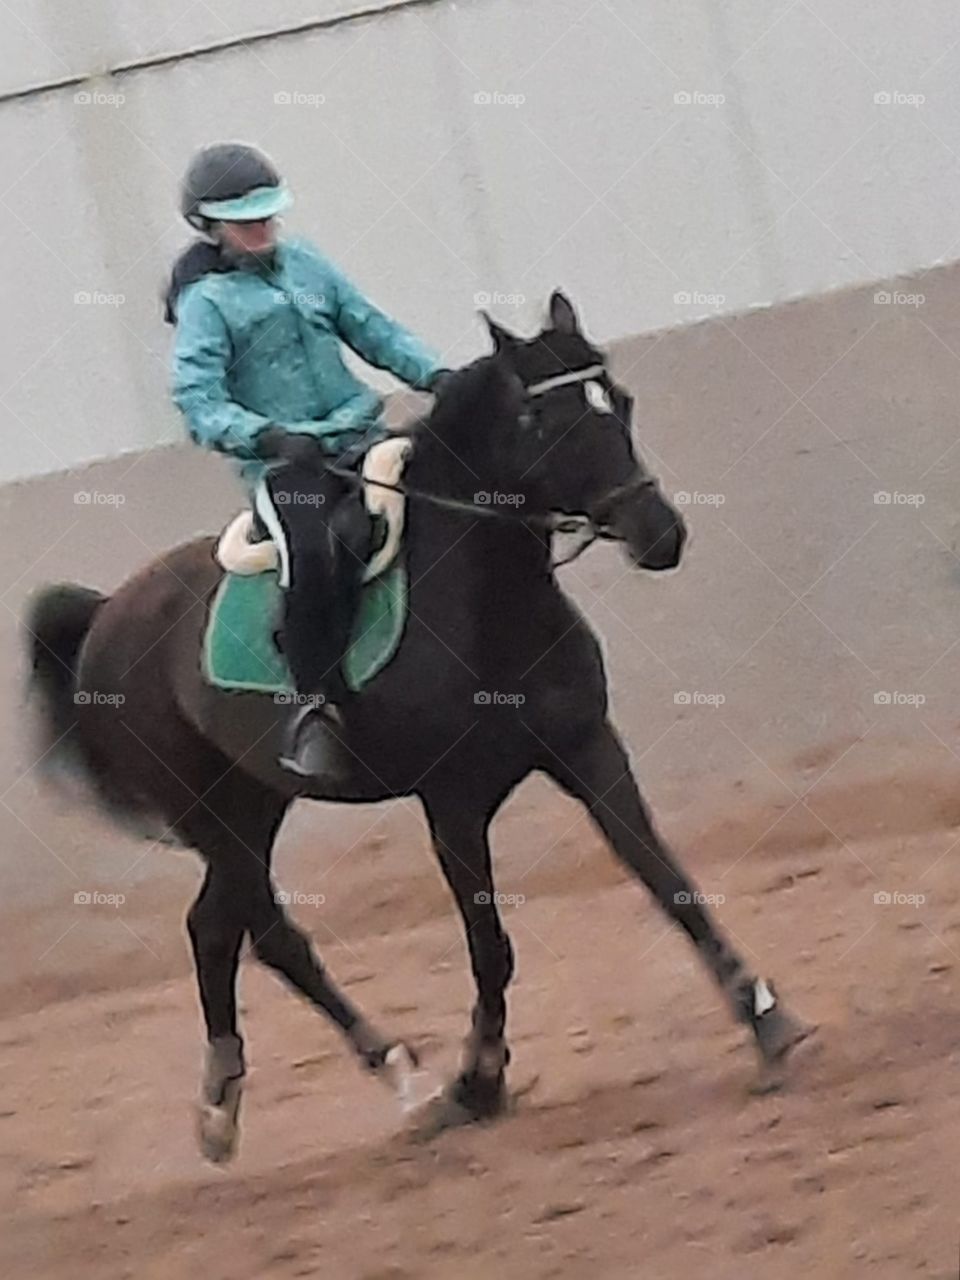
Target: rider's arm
[381,341]
[202,356]
[355,414]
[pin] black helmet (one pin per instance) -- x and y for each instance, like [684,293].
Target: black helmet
[231,182]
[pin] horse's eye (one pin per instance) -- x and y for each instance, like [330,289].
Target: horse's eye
[597,397]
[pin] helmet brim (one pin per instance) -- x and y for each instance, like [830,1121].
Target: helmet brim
[255,206]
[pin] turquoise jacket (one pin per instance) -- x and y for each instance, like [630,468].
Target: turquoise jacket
[254,350]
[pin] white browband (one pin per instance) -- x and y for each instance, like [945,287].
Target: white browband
[566,379]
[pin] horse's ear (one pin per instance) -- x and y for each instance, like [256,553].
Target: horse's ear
[503,340]
[563,317]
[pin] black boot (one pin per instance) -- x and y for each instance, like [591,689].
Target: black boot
[313,747]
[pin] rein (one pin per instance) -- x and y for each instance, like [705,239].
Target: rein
[550,523]
[591,527]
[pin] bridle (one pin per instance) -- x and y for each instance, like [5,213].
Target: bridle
[594,527]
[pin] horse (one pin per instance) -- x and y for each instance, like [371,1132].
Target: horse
[498,675]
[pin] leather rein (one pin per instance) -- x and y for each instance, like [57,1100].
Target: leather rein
[591,527]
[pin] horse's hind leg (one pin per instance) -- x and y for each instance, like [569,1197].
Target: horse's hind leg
[238,898]
[597,772]
[216,927]
[283,947]
[237,857]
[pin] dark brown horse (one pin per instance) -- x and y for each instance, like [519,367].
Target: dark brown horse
[541,423]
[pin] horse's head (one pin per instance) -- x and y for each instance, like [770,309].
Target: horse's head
[574,447]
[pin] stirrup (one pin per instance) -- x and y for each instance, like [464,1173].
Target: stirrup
[313,748]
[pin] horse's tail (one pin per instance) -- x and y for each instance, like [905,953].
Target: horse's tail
[58,620]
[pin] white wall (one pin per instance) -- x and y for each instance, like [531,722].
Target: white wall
[798,182]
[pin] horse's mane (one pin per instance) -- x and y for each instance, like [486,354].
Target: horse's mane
[476,411]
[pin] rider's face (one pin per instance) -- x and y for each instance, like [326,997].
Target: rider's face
[249,237]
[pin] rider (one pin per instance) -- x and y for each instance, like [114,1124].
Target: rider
[258,369]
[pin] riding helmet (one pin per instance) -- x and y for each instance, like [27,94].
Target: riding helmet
[231,182]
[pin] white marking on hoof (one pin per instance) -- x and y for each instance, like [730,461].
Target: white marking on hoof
[763,998]
[414,1087]
[218,1127]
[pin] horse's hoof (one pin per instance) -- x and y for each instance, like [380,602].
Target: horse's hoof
[467,1100]
[217,1133]
[218,1127]
[779,1032]
[414,1087]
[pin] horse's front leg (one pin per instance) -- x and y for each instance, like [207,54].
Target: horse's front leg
[459,831]
[597,772]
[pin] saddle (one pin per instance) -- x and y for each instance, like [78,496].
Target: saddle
[241,650]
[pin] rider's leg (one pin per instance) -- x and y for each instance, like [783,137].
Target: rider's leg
[322,531]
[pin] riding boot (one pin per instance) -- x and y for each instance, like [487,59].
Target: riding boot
[312,745]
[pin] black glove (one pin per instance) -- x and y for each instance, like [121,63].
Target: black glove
[295,447]
[440,380]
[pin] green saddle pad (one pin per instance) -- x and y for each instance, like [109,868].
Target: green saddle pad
[239,651]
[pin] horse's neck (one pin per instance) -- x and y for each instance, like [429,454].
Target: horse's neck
[480,578]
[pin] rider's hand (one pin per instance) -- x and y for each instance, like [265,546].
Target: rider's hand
[440,379]
[296,447]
